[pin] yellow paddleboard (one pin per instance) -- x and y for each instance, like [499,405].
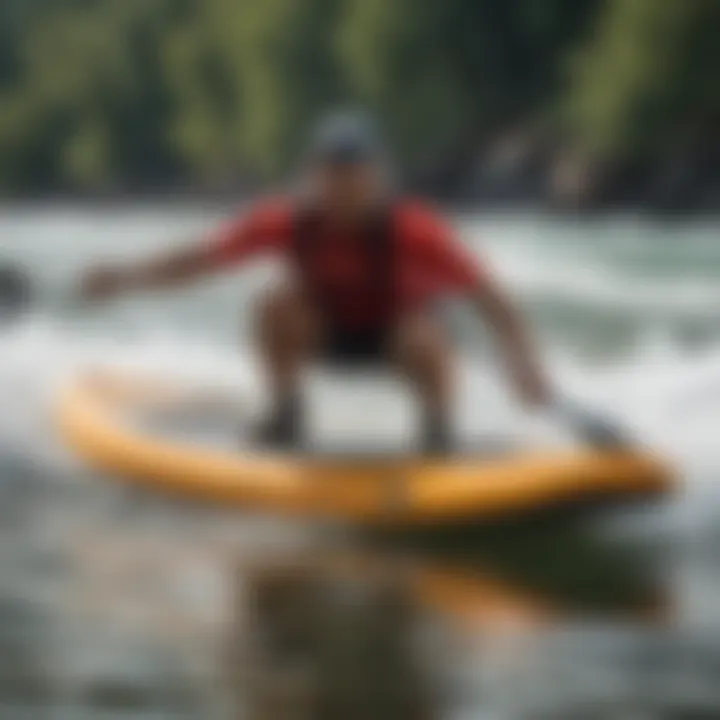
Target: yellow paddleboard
[94,415]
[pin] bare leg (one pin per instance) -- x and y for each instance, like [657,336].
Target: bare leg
[286,335]
[425,358]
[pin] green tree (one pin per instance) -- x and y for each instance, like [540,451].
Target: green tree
[444,69]
[133,93]
[651,66]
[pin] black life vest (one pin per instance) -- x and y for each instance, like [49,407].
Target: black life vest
[352,281]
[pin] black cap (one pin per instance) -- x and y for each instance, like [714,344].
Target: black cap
[345,137]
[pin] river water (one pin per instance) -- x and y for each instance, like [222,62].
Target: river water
[115,604]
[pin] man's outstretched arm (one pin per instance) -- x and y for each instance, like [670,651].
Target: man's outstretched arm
[266,228]
[175,268]
[523,364]
[461,272]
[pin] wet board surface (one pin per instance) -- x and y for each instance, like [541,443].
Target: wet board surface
[198,446]
[226,427]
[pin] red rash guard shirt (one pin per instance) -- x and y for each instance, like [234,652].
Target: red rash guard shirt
[428,262]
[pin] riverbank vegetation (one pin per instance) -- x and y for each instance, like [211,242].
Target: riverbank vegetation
[584,101]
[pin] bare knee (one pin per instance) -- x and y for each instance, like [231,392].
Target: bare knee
[282,319]
[421,348]
[271,308]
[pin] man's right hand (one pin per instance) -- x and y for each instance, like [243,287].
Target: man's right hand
[102,283]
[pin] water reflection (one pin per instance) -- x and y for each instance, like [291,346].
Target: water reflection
[117,604]
[561,559]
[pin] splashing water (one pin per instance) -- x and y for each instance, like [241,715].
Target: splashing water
[624,313]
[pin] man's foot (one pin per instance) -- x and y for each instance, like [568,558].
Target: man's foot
[282,430]
[437,438]
[276,435]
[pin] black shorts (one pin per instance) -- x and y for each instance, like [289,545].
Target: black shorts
[344,347]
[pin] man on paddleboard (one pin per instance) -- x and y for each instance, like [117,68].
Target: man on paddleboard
[366,268]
